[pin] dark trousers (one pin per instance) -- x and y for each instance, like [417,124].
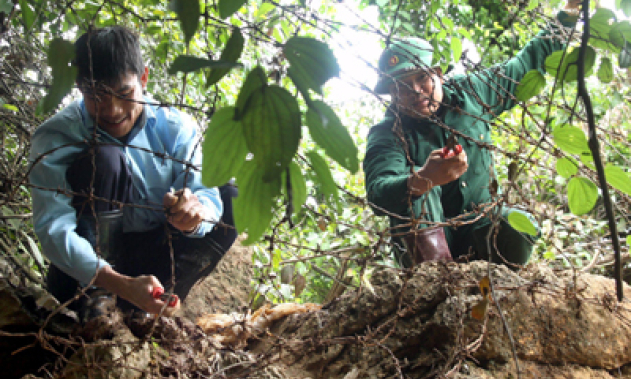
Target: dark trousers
[176,260]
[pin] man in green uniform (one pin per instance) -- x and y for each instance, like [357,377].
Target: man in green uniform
[419,184]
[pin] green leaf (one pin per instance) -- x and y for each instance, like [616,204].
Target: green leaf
[298,186]
[60,54]
[28,16]
[531,85]
[10,107]
[532,5]
[224,148]
[605,71]
[587,159]
[327,131]
[625,6]
[570,139]
[456,48]
[566,167]
[323,173]
[465,33]
[568,69]
[625,55]
[189,63]
[228,7]
[582,195]
[188,13]
[629,242]
[272,128]
[276,258]
[264,9]
[253,206]
[620,32]
[231,53]
[618,178]
[312,63]
[6,6]
[522,223]
[254,81]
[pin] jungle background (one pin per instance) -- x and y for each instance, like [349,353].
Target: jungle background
[283,92]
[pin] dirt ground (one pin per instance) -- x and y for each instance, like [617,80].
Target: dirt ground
[226,289]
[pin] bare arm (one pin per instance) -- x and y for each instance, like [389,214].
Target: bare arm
[136,290]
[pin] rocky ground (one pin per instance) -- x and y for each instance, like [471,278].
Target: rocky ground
[426,323]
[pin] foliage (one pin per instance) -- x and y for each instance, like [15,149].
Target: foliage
[258,74]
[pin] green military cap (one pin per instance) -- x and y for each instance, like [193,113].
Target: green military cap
[401,58]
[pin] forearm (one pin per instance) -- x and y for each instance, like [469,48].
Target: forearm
[112,281]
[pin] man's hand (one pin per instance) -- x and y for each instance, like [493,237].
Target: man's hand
[137,290]
[438,170]
[184,210]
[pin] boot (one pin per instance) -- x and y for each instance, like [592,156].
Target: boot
[427,244]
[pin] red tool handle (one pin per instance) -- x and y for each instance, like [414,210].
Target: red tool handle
[448,153]
[158,293]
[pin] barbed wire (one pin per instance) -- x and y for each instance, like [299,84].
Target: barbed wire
[532,151]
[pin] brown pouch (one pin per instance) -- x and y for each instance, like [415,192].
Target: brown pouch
[428,244]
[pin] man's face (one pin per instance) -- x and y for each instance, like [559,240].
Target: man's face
[420,93]
[115,109]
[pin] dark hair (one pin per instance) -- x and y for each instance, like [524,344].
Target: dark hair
[113,52]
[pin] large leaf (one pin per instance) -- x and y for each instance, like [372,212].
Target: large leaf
[188,63]
[188,13]
[6,6]
[323,173]
[228,7]
[60,53]
[618,178]
[327,131]
[28,16]
[255,80]
[312,63]
[570,139]
[566,167]
[456,48]
[567,68]
[620,32]
[522,223]
[605,71]
[531,85]
[230,53]
[625,6]
[582,195]
[272,127]
[224,148]
[298,186]
[253,206]
[624,59]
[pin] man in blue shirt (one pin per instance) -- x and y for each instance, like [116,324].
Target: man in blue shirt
[138,218]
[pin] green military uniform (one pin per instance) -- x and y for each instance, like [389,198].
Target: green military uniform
[470,103]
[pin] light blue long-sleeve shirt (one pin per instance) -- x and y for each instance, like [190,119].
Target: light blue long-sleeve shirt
[57,143]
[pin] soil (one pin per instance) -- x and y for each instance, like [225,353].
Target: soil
[226,289]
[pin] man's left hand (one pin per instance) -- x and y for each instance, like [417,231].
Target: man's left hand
[184,210]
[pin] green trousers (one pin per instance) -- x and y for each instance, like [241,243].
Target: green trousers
[505,244]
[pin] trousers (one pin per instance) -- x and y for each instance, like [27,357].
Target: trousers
[175,259]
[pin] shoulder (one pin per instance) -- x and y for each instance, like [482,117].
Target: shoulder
[171,120]
[65,126]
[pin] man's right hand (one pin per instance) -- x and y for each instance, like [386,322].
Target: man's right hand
[437,170]
[137,290]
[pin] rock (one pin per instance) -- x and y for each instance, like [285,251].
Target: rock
[420,325]
[226,289]
[124,357]
[26,320]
